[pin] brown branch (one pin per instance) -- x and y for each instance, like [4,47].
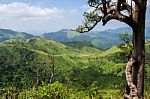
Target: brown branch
[114,12]
[133,89]
[52,58]
[90,28]
[128,8]
[111,10]
[138,3]
[104,7]
[118,16]
[125,6]
[127,96]
[94,5]
[119,2]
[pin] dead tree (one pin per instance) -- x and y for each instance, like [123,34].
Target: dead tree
[106,10]
[53,68]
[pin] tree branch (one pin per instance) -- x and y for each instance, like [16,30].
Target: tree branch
[107,10]
[119,2]
[138,3]
[128,8]
[87,28]
[113,12]
[118,16]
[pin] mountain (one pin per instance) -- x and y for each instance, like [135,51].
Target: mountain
[103,39]
[6,34]
[97,39]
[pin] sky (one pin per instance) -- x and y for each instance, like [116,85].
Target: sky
[39,16]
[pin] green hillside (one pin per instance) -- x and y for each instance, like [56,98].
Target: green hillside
[79,71]
[6,34]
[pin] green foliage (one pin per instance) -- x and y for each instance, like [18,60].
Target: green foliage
[80,72]
[6,34]
[101,43]
[20,66]
[91,18]
[61,91]
[48,91]
[125,46]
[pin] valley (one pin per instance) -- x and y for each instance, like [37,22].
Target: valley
[79,71]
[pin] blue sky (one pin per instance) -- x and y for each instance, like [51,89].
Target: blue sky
[46,15]
[51,3]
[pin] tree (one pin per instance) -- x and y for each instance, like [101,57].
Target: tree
[125,45]
[106,10]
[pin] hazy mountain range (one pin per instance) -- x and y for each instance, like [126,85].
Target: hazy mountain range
[6,34]
[100,39]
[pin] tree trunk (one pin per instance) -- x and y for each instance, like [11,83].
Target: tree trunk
[135,66]
[139,47]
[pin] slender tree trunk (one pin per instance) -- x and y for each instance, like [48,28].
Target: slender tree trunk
[53,68]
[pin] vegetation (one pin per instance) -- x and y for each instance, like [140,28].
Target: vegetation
[106,10]
[80,72]
[83,66]
[6,34]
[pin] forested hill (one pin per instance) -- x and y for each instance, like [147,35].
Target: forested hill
[102,39]
[79,71]
[6,34]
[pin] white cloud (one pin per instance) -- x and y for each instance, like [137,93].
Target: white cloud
[26,17]
[24,11]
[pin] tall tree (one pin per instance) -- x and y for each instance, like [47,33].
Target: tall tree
[106,10]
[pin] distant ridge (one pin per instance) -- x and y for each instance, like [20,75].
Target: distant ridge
[100,39]
[6,34]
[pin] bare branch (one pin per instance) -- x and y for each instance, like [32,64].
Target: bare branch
[88,28]
[104,7]
[119,2]
[136,1]
[118,16]
[105,11]
[128,8]
[113,12]
[127,96]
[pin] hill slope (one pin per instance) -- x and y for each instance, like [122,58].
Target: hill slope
[6,34]
[26,64]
